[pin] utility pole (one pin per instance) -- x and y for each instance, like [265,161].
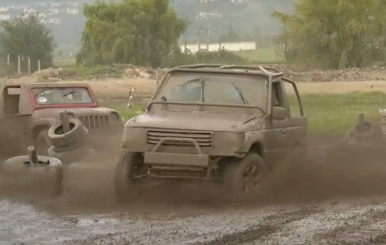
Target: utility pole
[203,23]
[208,25]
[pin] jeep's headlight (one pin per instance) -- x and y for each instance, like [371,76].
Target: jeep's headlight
[133,135]
[231,139]
[115,117]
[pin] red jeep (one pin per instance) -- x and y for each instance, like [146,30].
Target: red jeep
[29,110]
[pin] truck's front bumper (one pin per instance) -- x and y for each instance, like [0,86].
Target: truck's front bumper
[154,157]
[176,159]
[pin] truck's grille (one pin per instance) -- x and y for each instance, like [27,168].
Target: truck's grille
[203,139]
[94,122]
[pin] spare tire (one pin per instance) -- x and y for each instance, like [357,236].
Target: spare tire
[76,145]
[60,139]
[361,133]
[46,175]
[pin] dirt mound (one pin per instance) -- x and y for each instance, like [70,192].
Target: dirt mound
[375,73]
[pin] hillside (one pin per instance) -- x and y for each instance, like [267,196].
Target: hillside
[66,20]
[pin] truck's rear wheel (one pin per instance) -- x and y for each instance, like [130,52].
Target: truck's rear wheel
[125,184]
[246,174]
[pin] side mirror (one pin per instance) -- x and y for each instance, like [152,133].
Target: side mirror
[279,113]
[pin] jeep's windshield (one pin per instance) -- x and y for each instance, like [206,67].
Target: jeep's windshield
[214,89]
[61,95]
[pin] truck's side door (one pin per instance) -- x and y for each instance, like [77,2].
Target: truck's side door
[294,128]
[291,132]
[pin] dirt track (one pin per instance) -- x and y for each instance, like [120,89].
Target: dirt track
[331,203]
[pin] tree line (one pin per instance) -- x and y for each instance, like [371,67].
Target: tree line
[325,34]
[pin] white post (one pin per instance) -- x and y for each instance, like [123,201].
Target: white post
[18,65]
[38,65]
[8,59]
[29,65]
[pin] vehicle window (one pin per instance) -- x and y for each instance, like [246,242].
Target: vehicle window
[276,95]
[214,89]
[294,105]
[60,95]
[189,92]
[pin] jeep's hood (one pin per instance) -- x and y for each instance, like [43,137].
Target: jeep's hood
[195,121]
[54,112]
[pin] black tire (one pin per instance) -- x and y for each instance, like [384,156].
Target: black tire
[234,174]
[60,139]
[49,171]
[42,143]
[125,185]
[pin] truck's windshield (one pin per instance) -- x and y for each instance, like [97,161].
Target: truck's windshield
[214,89]
[61,95]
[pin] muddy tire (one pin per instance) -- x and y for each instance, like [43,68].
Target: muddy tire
[60,139]
[80,154]
[125,185]
[242,177]
[46,176]
[74,146]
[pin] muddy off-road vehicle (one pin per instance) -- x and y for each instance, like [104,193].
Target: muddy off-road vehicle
[29,110]
[224,122]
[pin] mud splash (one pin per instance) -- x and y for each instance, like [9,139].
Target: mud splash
[318,202]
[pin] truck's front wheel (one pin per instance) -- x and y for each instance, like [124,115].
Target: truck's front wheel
[245,175]
[125,183]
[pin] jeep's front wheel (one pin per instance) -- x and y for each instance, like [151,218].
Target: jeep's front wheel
[125,184]
[245,175]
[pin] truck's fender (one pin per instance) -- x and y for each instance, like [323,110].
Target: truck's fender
[252,140]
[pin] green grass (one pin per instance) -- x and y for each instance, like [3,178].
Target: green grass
[263,55]
[124,112]
[337,113]
[64,63]
[327,113]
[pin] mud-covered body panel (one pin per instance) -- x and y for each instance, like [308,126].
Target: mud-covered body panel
[200,130]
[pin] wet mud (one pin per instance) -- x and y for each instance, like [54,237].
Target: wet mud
[337,200]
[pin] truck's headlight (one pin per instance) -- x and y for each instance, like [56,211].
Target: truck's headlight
[228,138]
[133,134]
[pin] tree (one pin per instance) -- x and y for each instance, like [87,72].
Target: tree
[334,34]
[28,37]
[230,36]
[139,32]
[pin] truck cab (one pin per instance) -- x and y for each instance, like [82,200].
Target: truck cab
[213,122]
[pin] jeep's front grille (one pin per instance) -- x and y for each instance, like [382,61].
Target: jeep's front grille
[94,121]
[203,139]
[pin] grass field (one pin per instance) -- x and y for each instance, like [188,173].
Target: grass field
[263,55]
[337,113]
[327,113]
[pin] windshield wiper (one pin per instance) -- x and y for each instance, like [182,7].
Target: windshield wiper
[71,92]
[40,92]
[241,95]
